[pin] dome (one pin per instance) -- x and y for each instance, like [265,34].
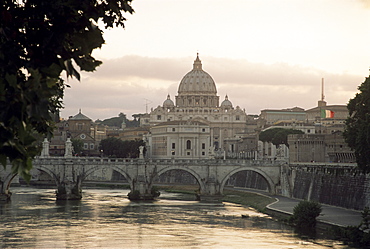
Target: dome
[197,81]
[226,103]
[168,102]
[79,116]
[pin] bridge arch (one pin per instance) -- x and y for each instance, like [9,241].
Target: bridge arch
[190,171]
[270,183]
[113,167]
[47,171]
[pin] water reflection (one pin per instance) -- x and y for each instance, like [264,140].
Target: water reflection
[106,218]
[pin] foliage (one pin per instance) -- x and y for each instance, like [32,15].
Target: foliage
[357,236]
[277,135]
[38,40]
[305,214]
[155,192]
[134,195]
[78,145]
[117,121]
[114,147]
[365,223]
[357,131]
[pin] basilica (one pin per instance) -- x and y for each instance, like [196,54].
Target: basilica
[196,126]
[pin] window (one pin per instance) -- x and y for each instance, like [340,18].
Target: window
[173,129]
[188,153]
[203,146]
[86,146]
[237,117]
[203,153]
[159,117]
[203,130]
[173,145]
[216,145]
[91,146]
[188,144]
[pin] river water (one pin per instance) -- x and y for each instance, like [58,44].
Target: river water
[105,218]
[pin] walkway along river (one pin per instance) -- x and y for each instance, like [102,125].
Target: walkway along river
[107,219]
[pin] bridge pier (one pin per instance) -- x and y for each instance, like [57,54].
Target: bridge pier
[6,178]
[69,180]
[141,189]
[69,190]
[211,191]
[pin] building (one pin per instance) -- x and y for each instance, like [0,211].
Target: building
[196,125]
[319,148]
[77,127]
[327,144]
[323,126]
[272,116]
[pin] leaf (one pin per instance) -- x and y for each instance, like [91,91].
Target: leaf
[3,160]
[52,71]
[11,79]
[71,71]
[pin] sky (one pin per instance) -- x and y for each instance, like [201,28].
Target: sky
[263,54]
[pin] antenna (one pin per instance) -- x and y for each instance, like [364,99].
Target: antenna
[147,102]
[322,89]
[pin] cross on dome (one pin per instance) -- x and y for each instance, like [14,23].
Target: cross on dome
[197,63]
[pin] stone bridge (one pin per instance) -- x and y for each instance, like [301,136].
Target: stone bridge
[211,174]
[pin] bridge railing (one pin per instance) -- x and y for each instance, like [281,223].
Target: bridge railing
[128,161]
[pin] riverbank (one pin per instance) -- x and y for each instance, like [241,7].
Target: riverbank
[249,199]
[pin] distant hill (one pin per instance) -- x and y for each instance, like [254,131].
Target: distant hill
[117,121]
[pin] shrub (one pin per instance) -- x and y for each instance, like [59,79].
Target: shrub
[134,195]
[305,214]
[155,192]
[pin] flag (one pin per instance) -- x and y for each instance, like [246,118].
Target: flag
[327,114]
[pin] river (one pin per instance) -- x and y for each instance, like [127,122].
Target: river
[105,218]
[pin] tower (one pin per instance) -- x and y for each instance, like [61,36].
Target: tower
[322,102]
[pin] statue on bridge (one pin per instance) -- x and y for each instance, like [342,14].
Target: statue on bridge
[141,149]
[45,148]
[69,148]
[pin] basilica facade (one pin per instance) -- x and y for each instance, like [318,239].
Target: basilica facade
[196,125]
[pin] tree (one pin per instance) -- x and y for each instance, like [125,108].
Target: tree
[78,145]
[115,121]
[357,131]
[305,214]
[278,135]
[38,41]
[114,147]
[110,146]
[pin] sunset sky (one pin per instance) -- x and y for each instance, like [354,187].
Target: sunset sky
[264,54]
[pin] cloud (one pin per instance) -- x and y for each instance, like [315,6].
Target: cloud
[366,3]
[134,84]
[143,67]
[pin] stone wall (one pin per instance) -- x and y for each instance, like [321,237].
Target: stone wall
[248,179]
[334,185]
